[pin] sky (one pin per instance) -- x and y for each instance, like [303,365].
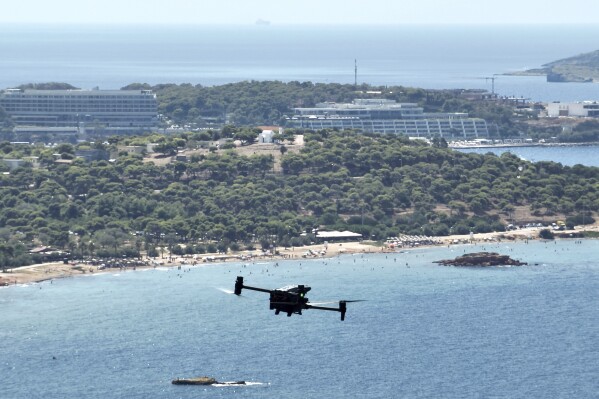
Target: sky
[285,12]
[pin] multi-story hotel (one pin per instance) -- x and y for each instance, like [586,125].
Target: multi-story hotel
[388,116]
[108,110]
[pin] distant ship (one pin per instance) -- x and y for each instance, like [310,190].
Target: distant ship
[262,22]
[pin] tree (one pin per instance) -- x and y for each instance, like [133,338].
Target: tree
[110,238]
[246,136]
[166,148]
[546,234]
[439,142]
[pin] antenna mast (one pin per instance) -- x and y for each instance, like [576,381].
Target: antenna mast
[492,79]
[355,73]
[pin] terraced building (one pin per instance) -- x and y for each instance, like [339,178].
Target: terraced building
[388,116]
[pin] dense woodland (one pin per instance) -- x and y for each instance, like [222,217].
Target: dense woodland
[376,185]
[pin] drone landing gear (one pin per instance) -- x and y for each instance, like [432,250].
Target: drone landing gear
[277,311]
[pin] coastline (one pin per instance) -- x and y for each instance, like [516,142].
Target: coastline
[50,271]
[38,273]
[466,145]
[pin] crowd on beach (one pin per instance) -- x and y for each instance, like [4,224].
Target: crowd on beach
[49,271]
[411,241]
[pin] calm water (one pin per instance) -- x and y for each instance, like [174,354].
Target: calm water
[427,331]
[566,155]
[436,57]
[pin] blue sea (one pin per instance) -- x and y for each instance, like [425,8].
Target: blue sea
[428,56]
[426,331]
[587,155]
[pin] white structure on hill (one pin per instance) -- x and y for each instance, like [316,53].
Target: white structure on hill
[266,136]
[581,109]
[388,116]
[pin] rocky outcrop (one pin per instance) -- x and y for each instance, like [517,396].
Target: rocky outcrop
[204,381]
[481,259]
[195,381]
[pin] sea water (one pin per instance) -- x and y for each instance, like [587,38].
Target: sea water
[567,155]
[426,331]
[428,56]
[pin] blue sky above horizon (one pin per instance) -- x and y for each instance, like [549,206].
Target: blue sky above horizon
[279,12]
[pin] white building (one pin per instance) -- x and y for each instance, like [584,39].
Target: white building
[578,109]
[15,163]
[388,116]
[114,110]
[266,136]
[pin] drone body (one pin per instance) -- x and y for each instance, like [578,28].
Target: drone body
[290,299]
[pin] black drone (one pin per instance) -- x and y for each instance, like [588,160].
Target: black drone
[291,299]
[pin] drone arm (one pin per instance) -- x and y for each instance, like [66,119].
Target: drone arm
[321,308]
[342,308]
[239,286]
[247,287]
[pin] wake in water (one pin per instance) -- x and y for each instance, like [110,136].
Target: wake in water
[238,384]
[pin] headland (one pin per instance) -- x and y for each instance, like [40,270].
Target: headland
[583,68]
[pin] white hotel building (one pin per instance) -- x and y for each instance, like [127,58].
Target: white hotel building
[112,110]
[388,116]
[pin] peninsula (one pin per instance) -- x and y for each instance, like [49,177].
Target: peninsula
[581,68]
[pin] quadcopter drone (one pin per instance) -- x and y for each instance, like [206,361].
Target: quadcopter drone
[291,299]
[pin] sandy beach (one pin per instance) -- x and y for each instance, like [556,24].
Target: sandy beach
[49,271]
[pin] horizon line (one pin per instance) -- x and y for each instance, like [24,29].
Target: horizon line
[270,24]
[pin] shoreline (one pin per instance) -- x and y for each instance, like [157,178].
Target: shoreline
[464,146]
[38,273]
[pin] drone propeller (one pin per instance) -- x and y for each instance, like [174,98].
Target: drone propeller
[229,292]
[322,303]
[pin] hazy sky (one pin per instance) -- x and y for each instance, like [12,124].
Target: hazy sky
[282,12]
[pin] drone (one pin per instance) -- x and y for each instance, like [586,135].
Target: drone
[291,299]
